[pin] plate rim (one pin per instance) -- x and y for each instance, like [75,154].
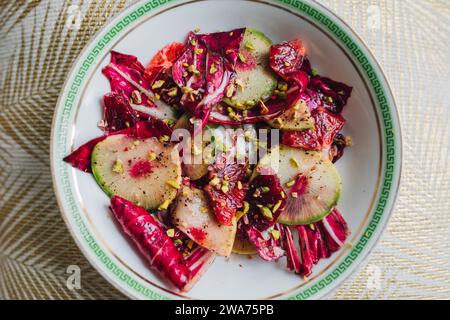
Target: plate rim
[314,290]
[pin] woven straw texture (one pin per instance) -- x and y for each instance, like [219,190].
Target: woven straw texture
[411,40]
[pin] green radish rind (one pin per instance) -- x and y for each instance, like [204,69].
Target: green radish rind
[260,82]
[286,171]
[149,191]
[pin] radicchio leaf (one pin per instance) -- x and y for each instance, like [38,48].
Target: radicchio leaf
[126,74]
[161,252]
[206,68]
[316,241]
[117,112]
[268,248]
[334,94]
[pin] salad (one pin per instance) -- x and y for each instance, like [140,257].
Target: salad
[221,145]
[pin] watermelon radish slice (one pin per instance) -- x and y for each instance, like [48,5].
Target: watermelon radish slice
[144,171]
[193,215]
[255,79]
[311,183]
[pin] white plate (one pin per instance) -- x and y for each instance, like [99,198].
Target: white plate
[370,169]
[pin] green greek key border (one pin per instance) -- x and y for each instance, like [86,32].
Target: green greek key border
[62,125]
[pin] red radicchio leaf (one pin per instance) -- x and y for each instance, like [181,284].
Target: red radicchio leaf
[317,241]
[334,229]
[268,248]
[327,125]
[193,71]
[117,112]
[174,258]
[334,94]
[128,65]
[152,242]
[287,243]
[81,157]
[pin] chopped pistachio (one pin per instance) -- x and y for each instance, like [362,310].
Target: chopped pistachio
[197,30]
[329,99]
[265,189]
[239,215]
[173,184]
[294,163]
[239,105]
[198,51]
[164,205]
[151,156]
[250,103]
[314,72]
[290,183]
[168,121]
[193,42]
[204,209]
[212,69]
[249,46]
[170,232]
[246,207]
[266,212]
[224,189]
[178,242]
[136,142]
[118,166]
[230,91]
[136,97]
[275,234]
[242,58]
[172,92]
[283,195]
[157,96]
[192,69]
[164,138]
[276,206]
[278,121]
[312,227]
[282,86]
[287,64]
[348,141]
[214,181]
[186,64]
[239,185]
[158,84]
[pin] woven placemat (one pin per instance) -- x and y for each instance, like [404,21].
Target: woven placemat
[410,38]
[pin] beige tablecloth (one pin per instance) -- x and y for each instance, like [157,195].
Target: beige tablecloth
[410,38]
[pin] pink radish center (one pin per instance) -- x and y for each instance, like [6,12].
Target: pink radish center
[140,169]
